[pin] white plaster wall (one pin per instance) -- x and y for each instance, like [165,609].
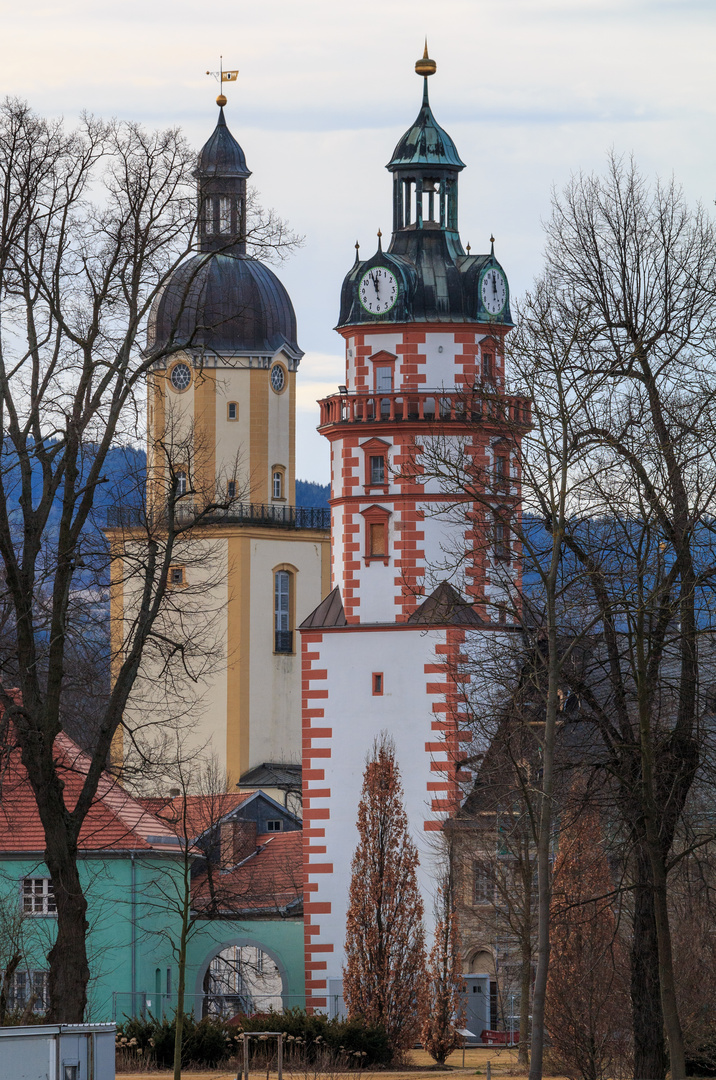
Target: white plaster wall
[279,448]
[163,694]
[233,437]
[338,563]
[357,718]
[275,680]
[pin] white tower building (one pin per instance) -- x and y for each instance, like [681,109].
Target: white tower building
[221,423]
[424,325]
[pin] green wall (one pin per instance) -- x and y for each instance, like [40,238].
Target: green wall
[134,910]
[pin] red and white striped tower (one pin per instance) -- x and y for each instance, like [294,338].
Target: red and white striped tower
[424,324]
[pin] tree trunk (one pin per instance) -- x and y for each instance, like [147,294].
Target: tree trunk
[181,983]
[69,970]
[523,1057]
[544,890]
[647,1016]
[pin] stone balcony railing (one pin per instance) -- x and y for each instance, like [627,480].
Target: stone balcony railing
[431,406]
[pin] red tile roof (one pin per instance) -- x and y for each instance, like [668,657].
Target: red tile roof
[202,811]
[269,880]
[115,821]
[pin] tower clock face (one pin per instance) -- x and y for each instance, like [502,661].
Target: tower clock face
[493,290]
[378,290]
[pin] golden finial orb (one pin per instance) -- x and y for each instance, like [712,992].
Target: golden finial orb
[425,66]
[221,100]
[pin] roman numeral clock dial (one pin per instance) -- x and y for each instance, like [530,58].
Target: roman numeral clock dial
[493,290]
[378,290]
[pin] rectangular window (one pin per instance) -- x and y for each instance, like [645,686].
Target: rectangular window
[278,485]
[488,365]
[209,216]
[26,986]
[232,489]
[384,379]
[377,538]
[283,638]
[274,825]
[483,890]
[176,575]
[500,470]
[377,469]
[377,683]
[502,540]
[38,897]
[224,214]
[233,410]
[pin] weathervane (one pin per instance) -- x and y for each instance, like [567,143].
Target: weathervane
[223,76]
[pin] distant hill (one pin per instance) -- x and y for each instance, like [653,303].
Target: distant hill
[310,494]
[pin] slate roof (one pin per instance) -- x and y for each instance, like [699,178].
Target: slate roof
[116,821]
[221,155]
[446,607]
[328,613]
[226,303]
[272,774]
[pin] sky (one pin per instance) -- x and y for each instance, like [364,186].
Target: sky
[532,91]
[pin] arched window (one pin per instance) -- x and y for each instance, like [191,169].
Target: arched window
[232,410]
[278,482]
[283,635]
[182,483]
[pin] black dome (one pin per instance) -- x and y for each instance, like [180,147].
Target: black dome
[226,304]
[221,155]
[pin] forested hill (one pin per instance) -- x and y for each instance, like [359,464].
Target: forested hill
[123,481]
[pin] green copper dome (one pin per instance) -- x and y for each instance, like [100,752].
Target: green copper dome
[425,143]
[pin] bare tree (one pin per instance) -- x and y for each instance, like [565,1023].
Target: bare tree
[92,225]
[616,348]
[384,976]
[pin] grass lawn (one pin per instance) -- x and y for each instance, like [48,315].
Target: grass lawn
[502,1061]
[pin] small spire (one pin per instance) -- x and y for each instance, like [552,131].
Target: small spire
[425,67]
[380,245]
[492,244]
[468,249]
[357,251]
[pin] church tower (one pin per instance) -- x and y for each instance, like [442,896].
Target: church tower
[221,429]
[424,324]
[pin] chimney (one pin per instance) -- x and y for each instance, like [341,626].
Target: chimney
[238,840]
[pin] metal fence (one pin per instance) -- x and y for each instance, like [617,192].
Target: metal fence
[275,515]
[126,1005]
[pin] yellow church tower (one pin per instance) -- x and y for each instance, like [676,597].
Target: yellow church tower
[221,434]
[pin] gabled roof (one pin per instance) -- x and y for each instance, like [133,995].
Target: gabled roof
[192,815]
[278,774]
[446,607]
[115,822]
[328,613]
[268,881]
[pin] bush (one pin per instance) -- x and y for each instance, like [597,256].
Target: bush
[208,1043]
[359,1043]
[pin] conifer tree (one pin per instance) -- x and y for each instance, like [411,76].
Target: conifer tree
[445,1008]
[384,977]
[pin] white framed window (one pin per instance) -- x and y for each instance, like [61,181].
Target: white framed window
[176,575]
[377,469]
[282,612]
[277,484]
[483,889]
[384,379]
[232,411]
[231,489]
[182,483]
[38,897]
[26,986]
